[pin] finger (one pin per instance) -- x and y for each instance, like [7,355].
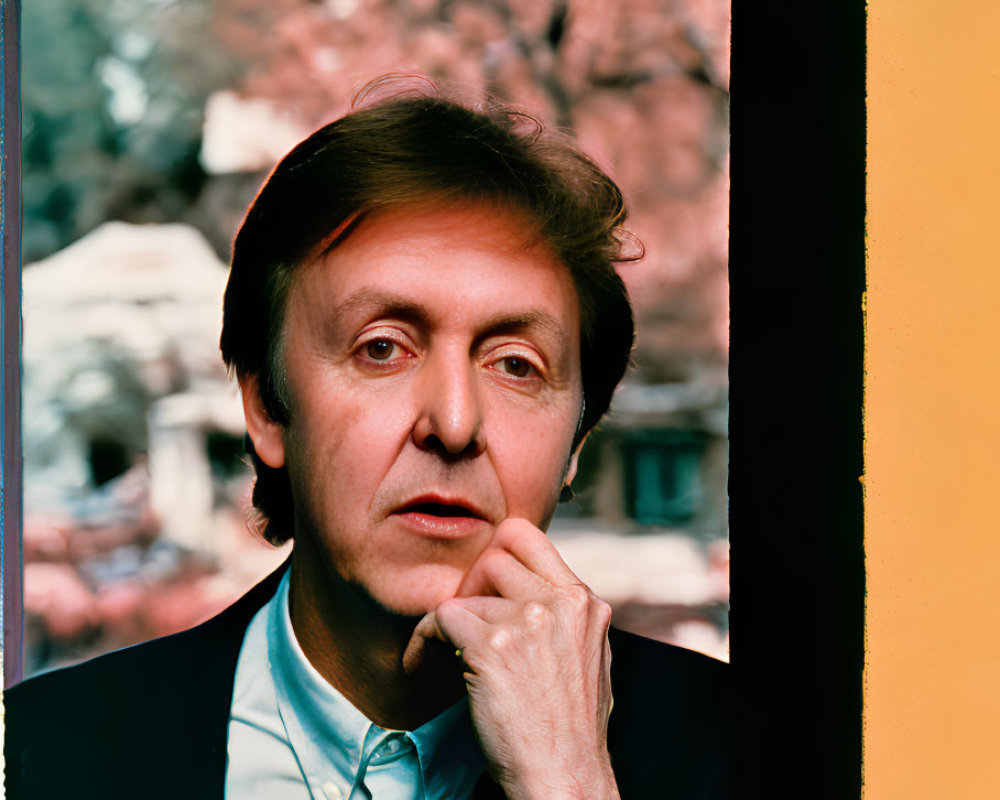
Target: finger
[469,624]
[462,627]
[535,550]
[490,610]
[445,624]
[426,629]
[498,572]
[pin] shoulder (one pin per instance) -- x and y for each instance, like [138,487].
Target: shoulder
[101,728]
[662,673]
[96,691]
[92,730]
[670,719]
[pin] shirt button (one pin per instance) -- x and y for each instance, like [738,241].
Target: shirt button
[332,791]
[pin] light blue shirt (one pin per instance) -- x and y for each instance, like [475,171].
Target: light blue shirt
[293,736]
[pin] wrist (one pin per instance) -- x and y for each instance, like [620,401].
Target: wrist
[588,781]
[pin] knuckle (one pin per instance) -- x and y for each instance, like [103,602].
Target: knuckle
[500,639]
[603,613]
[578,596]
[536,616]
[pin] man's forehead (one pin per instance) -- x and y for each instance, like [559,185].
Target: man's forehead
[401,259]
[509,229]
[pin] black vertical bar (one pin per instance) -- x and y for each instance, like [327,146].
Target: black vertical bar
[10,330]
[797,281]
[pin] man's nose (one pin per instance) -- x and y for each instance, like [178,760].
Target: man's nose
[450,418]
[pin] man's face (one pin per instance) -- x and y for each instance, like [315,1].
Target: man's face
[433,377]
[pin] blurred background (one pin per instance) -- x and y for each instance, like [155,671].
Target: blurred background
[148,126]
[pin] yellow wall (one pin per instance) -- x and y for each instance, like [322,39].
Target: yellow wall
[932,703]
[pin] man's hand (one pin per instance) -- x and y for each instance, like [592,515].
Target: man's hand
[534,644]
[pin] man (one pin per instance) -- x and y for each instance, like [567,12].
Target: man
[425,323]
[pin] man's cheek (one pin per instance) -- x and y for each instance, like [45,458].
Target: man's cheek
[531,486]
[531,437]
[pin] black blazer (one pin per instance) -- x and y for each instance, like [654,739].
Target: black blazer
[151,721]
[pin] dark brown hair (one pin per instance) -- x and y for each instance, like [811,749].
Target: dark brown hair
[410,150]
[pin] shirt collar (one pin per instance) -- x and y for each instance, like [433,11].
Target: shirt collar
[326,730]
[450,758]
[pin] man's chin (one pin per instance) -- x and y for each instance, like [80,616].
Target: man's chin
[412,601]
[411,608]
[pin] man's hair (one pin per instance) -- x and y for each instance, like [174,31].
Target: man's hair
[410,151]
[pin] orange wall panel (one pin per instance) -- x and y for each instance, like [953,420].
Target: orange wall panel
[932,678]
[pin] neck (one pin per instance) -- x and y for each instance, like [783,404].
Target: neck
[357,646]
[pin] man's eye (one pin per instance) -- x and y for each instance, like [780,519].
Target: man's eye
[379,349]
[518,367]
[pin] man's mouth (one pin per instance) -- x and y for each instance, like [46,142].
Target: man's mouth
[439,509]
[441,518]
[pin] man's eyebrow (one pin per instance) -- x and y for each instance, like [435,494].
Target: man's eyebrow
[515,323]
[379,303]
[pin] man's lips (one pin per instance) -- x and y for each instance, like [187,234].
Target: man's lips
[439,510]
[441,517]
[440,506]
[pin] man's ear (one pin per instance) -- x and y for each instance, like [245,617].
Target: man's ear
[266,434]
[573,459]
